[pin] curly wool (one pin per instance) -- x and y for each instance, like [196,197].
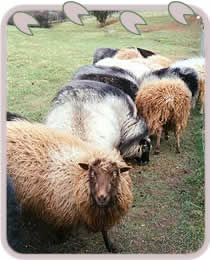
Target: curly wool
[198,64]
[43,164]
[127,53]
[160,101]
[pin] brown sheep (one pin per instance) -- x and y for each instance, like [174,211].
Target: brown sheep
[127,53]
[165,104]
[65,181]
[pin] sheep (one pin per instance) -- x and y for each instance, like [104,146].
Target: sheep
[102,53]
[66,182]
[165,103]
[145,53]
[188,75]
[152,66]
[137,69]
[101,114]
[14,117]
[114,76]
[14,227]
[198,64]
[127,53]
[161,60]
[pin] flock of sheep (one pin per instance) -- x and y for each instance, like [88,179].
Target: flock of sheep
[70,170]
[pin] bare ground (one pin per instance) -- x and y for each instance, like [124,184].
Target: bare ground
[170,26]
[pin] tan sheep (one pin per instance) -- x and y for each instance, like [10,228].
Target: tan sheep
[161,60]
[65,181]
[152,66]
[165,105]
[198,64]
[127,53]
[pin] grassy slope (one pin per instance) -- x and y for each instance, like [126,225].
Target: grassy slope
[168,211]
[43,62]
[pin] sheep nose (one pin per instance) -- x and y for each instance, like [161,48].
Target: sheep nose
[102,197]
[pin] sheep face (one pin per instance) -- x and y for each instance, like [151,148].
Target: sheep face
[142,152]
[145,144]
[103,181]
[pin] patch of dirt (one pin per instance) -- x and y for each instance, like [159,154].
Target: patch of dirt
[112,21]
[109,22]
[171,26]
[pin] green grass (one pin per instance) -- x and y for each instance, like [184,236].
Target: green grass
[168,211]
[43,62]
[192,196]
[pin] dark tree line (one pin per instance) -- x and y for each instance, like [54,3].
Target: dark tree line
[101,16]
[46,18]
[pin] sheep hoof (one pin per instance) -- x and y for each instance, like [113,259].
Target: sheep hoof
[108,243]
[177,151]
[144,163]
[166,137]
[113,250]
[157,151]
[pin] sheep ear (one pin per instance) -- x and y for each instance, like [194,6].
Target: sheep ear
[125,169]
[84,166]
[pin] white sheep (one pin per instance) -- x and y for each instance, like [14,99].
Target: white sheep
[101,114]
[198,64]
[134,67]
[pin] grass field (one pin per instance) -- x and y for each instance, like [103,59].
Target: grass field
[168,210]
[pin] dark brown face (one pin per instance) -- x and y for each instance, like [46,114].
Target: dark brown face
[104,182]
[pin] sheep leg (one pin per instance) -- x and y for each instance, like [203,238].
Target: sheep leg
[166,133]
[201,98]
[177,142]
[201,109]
[108,243]
[159,133]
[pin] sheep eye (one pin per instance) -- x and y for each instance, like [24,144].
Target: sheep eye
[92,174]
[115,174]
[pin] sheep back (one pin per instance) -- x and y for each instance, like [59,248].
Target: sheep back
[161,60]
[128,53]
[197,64]
[163,100]
[137,69]
[102,53]
[188,75]
[116,77]
[100,114]
[152,66]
